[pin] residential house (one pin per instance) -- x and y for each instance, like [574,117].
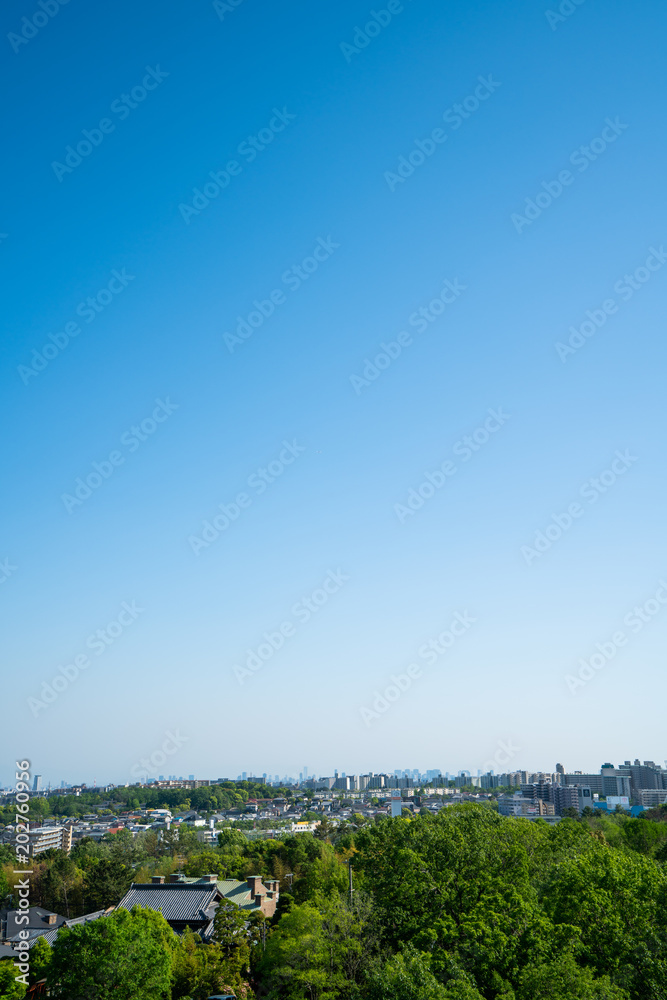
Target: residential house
[41,923]
[192,902]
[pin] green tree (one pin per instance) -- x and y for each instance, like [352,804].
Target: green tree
[4,888]
[296,963]
[119,957]
[205,863]
[643,836]
[406,976]
[230,840]
[57,883]
[229,932]
[200,971]
[40,960]
[563,979]
[316,952]
[105,883]
[459,885]
[10,988]
[617,903]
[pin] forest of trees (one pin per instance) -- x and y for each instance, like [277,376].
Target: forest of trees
[466,905]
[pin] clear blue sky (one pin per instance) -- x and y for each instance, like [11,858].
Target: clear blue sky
[334,121]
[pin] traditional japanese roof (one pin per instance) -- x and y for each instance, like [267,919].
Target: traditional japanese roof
[182,904]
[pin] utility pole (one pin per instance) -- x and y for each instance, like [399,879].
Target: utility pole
[349,870]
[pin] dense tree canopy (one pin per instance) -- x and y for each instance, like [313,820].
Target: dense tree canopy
[465,905]
[124,956]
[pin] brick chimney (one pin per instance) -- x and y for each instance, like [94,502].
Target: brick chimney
[51,918]
[157,879]
[209,878]
[174,877]
[254,882]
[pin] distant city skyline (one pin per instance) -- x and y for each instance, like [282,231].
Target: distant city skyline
[45,783]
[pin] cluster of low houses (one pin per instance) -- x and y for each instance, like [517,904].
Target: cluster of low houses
[64,833]
[183,902]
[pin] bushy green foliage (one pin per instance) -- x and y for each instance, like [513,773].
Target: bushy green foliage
[406,976]
[123,956]
[563,979]
[10,988]
[40,960]
[316,950]
[200,971]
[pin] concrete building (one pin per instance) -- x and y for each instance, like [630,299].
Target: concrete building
[561,796]
[644,776]
[572,797]
[302,826]
[610,781]
[652,797]
[40,839]
[518,805]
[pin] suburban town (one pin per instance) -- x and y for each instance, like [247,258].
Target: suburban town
[184,848]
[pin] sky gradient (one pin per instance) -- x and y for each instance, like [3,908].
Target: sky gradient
[293,316]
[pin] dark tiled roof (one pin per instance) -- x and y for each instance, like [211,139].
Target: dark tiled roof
[177,901]
[38,927]
[52,934]
[37,922]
